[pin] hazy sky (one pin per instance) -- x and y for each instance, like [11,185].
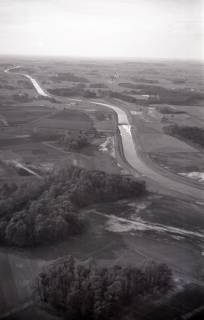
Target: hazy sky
[103,28]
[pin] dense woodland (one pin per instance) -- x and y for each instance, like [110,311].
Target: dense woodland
[84,291]
[165,95]
[192,135]
[77,290]
[48,210]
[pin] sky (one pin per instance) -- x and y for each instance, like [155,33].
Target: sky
[152,29]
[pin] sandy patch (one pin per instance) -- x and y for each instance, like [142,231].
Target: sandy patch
[136,113]
[108,146]
[119,225]
[199,176]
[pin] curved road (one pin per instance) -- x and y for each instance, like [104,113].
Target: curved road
[130,151]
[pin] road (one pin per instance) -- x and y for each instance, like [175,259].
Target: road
[39,90]
[132,156]
[131,151]
[19,165]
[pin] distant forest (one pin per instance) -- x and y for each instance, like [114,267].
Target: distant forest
[157,94]
[194,135]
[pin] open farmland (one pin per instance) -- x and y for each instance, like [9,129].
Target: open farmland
[31,129]
[35,139]
[70,120]
[166,94]
[157,96]
[101,160]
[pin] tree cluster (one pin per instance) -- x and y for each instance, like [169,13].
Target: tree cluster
[169,110]
[193,135]
[168,96]
[68,76]
[21,97]
[49,210]
[98,85]
[145,80]
[81,291]
[77,90]
[75,140]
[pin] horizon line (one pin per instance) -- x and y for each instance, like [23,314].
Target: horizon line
[123,58]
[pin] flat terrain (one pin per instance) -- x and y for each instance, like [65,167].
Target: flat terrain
[163,94]
[30,130]
[111,240]
[155,96]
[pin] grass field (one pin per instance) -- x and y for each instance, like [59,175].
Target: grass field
[111,241]
[30,127]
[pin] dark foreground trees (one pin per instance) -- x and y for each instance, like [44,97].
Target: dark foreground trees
[184,304]
[81,291]
[48,211]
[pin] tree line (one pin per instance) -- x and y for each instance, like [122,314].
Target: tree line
[193,135]
[45,211]
[84,291]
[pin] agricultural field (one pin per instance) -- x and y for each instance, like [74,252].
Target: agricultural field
[165,149]
[31,130]
[41,134]
[164,94]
